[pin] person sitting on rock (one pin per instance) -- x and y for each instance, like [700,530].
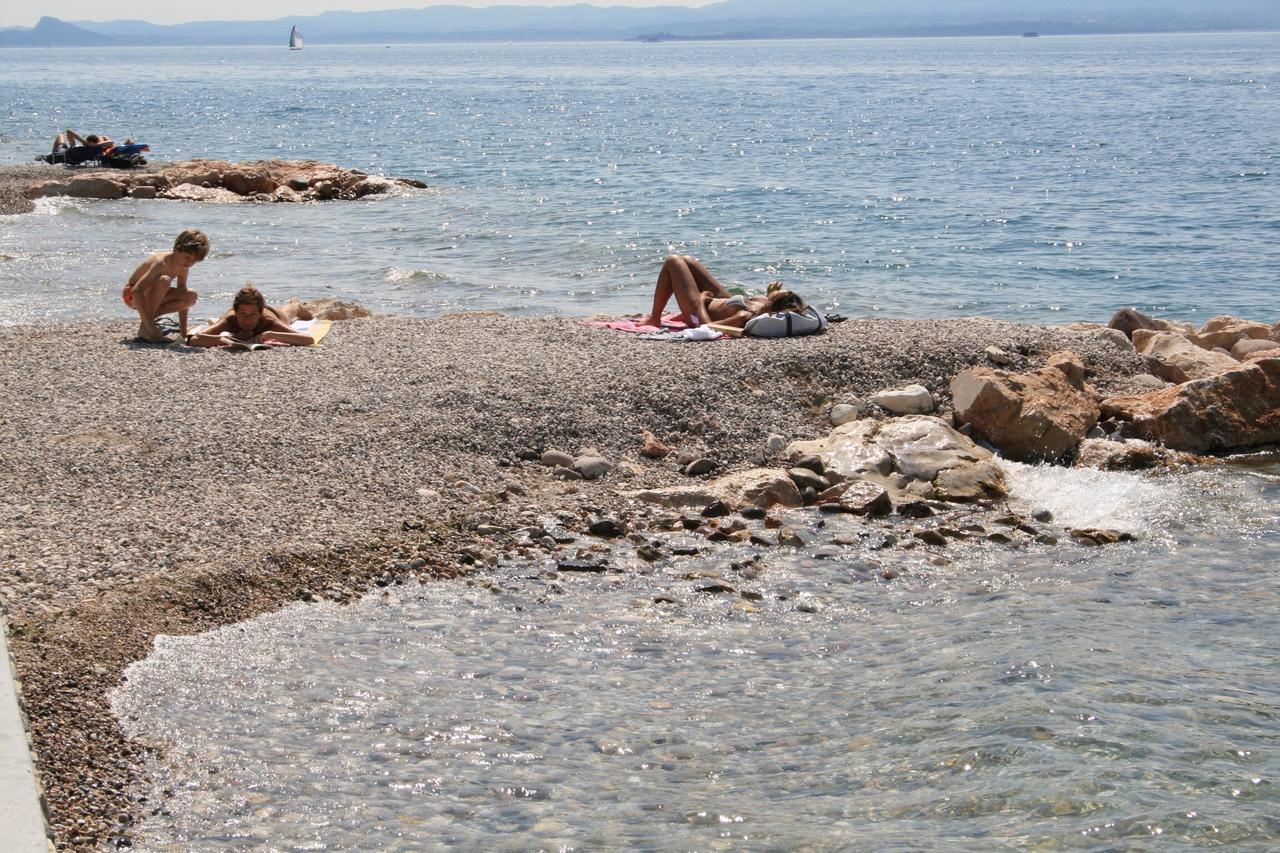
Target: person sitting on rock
[703,299]
[159,285]
[252,320]
[73,149]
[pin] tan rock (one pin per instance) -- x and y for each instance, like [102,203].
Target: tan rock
[1247,346]
[652,447]
[247,180]
[1069,365]
[916,455]
[1132,455]
[335,309]
[1175,358]
[1234,409]
[87,186]
[1030,417]
[759,486]
[144,191]
[191,192]
[1226,331]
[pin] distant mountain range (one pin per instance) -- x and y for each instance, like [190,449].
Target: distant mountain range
[730,19]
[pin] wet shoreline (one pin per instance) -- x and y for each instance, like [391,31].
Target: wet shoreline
[165,491]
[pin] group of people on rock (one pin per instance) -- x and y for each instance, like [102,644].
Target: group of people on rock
[159,286]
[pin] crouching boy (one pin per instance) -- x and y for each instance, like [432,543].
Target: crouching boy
[159,285]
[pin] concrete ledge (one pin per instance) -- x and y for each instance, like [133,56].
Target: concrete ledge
[22,819]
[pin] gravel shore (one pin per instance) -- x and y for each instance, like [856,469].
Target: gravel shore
[168,490]
[14,181]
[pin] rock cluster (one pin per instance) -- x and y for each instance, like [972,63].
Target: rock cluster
[1216,388]
[221,181]
[1226,394]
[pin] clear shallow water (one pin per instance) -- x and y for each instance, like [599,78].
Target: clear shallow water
[1122,697]
[1048,180]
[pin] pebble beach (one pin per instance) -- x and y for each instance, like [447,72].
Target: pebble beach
[155,490]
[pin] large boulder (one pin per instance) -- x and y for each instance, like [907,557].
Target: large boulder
[1031,417]
[1176,358]
[335,309]
[762,487]
[1132,455]
[1234,409]
[80,187]
[1130,320]
[1246,347]
[1224,332]
[914,456]
[249,179]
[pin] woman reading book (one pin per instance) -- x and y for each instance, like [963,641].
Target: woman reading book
[252,320]
[702,299]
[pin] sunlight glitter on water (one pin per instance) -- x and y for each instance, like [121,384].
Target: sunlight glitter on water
[1027,696]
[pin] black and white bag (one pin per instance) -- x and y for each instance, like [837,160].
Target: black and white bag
[786,324]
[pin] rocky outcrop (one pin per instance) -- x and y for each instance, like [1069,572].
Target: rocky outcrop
[914,457]
[1225,332]
[1176,358]
[1132,455]
[336,309]
[1031,417]
[1237,408]
[761,487]
[221,181]
[1130,320]
[1246,347]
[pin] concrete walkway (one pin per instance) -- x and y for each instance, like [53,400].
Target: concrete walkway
[22,824]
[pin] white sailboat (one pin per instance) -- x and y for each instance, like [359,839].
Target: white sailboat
[295,39]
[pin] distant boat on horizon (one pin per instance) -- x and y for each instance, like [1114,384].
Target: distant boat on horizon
[1031,35]
[295,39]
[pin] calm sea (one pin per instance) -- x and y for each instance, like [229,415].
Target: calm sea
[1049,179]
[1053,697]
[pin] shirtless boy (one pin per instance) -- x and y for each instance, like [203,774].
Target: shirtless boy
[252,319]
[159,285]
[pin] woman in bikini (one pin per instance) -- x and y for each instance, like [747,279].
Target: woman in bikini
[252,319]
[702,299]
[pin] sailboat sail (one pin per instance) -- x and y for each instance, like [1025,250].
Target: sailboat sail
[295,39]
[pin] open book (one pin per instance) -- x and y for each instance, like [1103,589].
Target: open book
[238,343]
[731,331]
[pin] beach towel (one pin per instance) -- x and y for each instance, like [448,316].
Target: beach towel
[316,328]
[670,322]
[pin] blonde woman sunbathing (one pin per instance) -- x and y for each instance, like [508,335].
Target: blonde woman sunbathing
[252,320]
[702,299]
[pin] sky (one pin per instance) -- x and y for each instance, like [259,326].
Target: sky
[25,13]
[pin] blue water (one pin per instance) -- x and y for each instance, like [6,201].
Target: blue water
[1046,180]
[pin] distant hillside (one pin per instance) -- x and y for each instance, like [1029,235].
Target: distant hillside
[50,32]
[729,19]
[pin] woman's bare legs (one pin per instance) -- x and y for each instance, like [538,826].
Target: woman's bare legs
[290,311]
[679,279]
[707,283]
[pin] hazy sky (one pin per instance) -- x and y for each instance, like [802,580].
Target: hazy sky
[25,13]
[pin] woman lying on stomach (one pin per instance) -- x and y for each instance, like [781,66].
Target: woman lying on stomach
[252,320]
[702,299]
